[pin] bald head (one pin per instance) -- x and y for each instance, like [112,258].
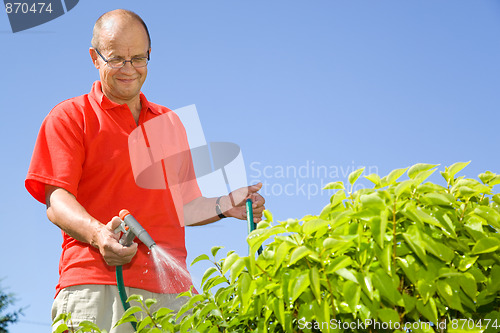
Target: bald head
[113,18]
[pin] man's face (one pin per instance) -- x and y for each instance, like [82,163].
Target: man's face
[125,40]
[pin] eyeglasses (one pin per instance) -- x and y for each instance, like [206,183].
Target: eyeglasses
[119,62]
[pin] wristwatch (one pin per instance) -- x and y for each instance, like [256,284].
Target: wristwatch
[218,210]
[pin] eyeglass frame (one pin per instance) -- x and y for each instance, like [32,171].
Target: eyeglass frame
[123,62]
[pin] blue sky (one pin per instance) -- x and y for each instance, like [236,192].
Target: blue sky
[301,86]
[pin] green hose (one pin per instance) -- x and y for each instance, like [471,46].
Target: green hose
[250,222]
[122,292]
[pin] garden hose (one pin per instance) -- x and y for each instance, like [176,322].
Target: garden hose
[131,229]
[250,222]
[122,292]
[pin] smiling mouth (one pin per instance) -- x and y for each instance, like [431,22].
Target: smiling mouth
[126,80]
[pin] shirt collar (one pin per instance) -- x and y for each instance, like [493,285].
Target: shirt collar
[107,104]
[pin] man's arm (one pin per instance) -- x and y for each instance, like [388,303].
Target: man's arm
[201,210]
[68,214]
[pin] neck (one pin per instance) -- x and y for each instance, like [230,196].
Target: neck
[133,104]
[135,109]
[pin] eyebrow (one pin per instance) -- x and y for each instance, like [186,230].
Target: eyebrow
[134,56]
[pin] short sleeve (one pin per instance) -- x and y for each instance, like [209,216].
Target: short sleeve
[59,152]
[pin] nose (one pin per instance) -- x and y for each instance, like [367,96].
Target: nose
[128,68]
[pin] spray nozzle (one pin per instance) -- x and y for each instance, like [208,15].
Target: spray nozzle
[131,229]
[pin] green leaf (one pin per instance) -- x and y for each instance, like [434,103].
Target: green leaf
[128,316]
[374,178]
[150,301]
[346,274]
[385,285]
[299,253]
[423,176]
[394,175]
[494,317]
[338,263]
[259,236]
[489,214]
[494,181]
[426,289]
[414,240]
[334,186]
[386,259]
[468,284]
[388,315]
[496,198]
[228,262]
[279,310]
[61,317]
[62,328]
[449,294]
[281,254]
[486,177]
[408,267]
[366,283]
[403,187]
[237,268]
[162,312]
[352,294]
[268,216]
[300,284]
[428,310]
[372,200]
[215,249]
[315,283]
[438,249]
[415,170]
[486,245]
[199,258]
[455,168]
[466,263]
[208,272]
[379,228]
[245,291]
[494,281]
[144,323]
[438,199]
[410,302]
[312,226]
[337,198]
[353,176]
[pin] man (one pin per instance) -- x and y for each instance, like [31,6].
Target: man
[81,169]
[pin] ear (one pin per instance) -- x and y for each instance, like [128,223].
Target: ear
[93,55]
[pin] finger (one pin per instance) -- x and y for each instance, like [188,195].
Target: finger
[120,255]
[258,211]
[114,223]
[254,188]
[258,200]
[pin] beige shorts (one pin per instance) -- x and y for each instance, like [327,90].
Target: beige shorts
[101,305]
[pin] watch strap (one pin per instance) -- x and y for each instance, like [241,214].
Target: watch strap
[218,210]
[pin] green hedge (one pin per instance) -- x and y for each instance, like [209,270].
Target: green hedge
[405,252]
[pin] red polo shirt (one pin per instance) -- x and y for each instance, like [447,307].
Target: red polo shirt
[83,147]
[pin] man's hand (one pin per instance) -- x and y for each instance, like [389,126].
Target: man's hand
[108,244]
[201,210]
[68,214]
[233,205]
